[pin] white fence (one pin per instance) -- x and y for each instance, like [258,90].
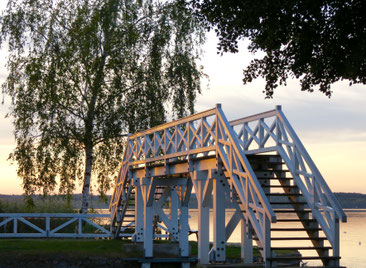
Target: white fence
[54,225]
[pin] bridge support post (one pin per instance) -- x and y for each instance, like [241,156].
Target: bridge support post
[183,220]
[200,179]
[219,221]
[246,241]
[139,213]
[336,241]
[148,194]
[267,243]
[174,208]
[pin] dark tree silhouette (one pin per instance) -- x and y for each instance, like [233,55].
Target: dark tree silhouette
[318,42]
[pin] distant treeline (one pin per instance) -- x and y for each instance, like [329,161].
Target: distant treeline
[347,200]
[351,200]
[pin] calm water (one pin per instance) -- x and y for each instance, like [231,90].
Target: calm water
[353,237]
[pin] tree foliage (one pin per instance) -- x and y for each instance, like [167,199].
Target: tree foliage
[318,42]
[83,73]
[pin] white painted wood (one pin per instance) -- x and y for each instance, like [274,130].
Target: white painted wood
[246,241]
[210,134]
[231,225]
[174,212]
[148,217]
[203,219]
[46,232]
[139,213]
[219,245]
[183,231]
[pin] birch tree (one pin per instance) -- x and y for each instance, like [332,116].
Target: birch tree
[83,74]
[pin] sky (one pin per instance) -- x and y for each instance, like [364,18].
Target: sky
[333,130]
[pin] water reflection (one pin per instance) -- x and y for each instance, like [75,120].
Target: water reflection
[352,237]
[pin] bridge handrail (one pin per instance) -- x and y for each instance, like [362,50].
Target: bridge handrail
[246,165]
[322,183]
[255,136]
[53,215]
[180,121]
[193,135]
[119,183]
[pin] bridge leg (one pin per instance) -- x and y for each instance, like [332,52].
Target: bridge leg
[246,241]
[336,242]
[219,221]
[267,243]
[148,231]
[183,232]
[183,222]
[148,194]
[200,179]
[183,235]
[174,208]
[139,213]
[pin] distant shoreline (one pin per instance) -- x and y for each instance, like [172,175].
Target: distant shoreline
[350,202]
[354,209]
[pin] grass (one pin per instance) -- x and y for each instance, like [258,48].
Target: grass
[88,247]
[46,205]
[73,247]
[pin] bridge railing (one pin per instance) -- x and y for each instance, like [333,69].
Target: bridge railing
[120,191]
[204,133]
[253,199]
[54,225]
[271,131]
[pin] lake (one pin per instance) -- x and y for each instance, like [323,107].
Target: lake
[352,237]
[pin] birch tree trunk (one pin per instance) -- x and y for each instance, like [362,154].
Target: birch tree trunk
[87,176]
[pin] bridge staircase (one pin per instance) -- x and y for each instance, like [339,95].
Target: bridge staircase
[257,163]
[124,220]
[295,230]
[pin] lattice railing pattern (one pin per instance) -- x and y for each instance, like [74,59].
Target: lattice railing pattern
[271,131]
[53,225]
[120,192]
[255,203]
[204,133]
[210,132]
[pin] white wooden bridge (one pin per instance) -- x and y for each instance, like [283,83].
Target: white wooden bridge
[256,163]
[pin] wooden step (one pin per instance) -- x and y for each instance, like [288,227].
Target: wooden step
[128,220]
[303,258]
[269,163]
[280,186]
[283,194]
[288,203]
[270,170]
[297,238]
[307,266]
[291,211]
[301,248]
[273,178]
[296,220]
[294,229]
